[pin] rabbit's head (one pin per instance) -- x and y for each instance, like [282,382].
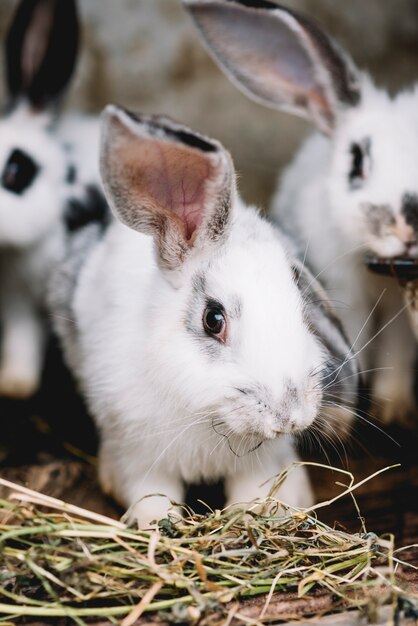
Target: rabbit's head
[284,60]
[231,331]
[41,49]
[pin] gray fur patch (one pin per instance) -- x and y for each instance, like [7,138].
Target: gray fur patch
[379,217]
[290,399]
[218,224]
[317,305]
[199,285]
[64,283]
[339,371]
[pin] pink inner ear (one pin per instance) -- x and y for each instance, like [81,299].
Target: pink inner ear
[36,41]
[174,178]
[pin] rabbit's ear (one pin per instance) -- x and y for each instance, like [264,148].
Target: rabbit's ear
[41,50]
[278,57]
[166,181]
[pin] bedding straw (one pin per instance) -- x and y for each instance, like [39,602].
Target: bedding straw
[58,560]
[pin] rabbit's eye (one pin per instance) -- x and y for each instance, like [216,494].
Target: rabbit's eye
[360,162]
[19,172]
[214,321]
[357,161]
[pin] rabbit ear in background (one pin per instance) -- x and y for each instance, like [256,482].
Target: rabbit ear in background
[41,50]
[278,57]
[166,181]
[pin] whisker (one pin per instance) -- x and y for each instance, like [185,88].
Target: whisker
[368,371]
[338,258]
[304,261]
[172,442]
[62,317]
[353,356]
[364,419]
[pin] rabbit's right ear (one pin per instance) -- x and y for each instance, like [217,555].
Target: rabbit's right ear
[41,50]
[278,57]
[164,180]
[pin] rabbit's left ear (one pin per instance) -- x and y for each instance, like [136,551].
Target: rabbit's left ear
[166,181]
[278,57]
[41,50]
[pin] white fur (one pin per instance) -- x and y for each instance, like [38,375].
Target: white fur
[172,404]
[152,390]
[81,135]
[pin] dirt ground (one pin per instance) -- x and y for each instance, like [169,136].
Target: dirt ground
[49,445]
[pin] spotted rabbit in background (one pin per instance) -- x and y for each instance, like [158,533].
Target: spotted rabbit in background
[193,331]
[47,161]
[352,188]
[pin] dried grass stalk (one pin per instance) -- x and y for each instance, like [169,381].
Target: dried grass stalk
[57,560]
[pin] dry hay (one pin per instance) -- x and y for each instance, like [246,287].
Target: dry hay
[58,560]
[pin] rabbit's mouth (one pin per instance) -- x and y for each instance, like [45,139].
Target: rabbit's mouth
[252,416]
[392,246]
[240,446]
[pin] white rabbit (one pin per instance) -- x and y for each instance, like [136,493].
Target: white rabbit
[352,188]
[45,160]
[197,341]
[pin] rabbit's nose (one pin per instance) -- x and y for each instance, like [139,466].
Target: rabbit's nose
[296,418]
[294,422]
[405,233]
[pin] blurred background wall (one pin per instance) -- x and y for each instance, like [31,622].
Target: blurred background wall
[146,55]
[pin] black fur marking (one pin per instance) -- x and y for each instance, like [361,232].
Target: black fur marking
[410,210]
[71,175]
[192,140]
[19,172]
[359,151]
[257,4]
[57,58]
[356,171]
[344,80]
[173,130]
[92,208]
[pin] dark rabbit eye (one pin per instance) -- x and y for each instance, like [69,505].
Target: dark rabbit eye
[19,172]
[360,161]
[214,321]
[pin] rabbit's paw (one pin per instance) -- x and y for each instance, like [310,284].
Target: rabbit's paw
[18,382]
[148,511]
[397,409]
[296,490]
[393,401]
